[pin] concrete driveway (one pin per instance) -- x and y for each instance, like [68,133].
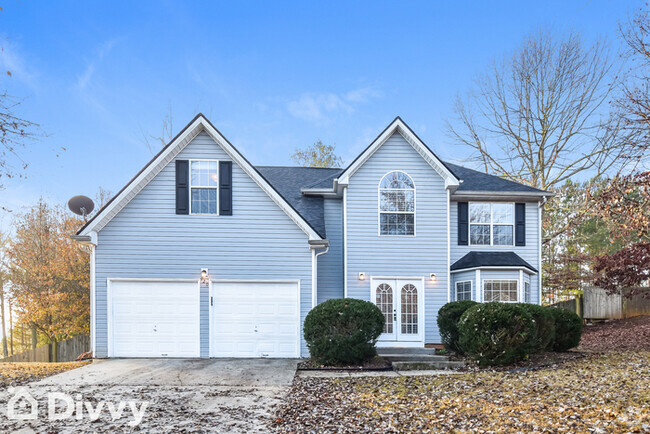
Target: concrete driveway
[192,395]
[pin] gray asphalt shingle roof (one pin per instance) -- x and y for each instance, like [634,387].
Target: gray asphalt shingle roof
[289,181]
[490,259]
[473,180]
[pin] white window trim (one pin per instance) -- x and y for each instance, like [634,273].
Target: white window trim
[491,224]
[380,212]
[201,186]
[471,289]
[503,280]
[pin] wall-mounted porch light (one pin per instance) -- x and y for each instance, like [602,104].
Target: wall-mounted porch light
[205,275]
[362,276]
[432,276]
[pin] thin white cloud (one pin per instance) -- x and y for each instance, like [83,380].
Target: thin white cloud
[321,107]
[11,61]
[84,79]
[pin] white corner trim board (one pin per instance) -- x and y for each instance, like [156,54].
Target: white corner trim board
[199,124]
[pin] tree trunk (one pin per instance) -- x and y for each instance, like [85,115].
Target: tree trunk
[55,350]
[5,352]
[34,339]
[11,327]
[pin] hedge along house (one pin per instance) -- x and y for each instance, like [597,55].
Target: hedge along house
[203,254]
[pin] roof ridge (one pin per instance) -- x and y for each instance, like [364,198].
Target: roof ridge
[299,167]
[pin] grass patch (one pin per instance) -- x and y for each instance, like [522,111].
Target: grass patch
[601,392]
[17,374]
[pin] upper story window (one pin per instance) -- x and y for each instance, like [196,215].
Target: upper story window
[204,179]
[396,204]
[491,224]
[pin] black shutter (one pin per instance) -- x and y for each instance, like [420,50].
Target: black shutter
[225,188]
[182,187]
[463,223]
[520,224]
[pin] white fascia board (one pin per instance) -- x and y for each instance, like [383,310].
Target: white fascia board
[190,132]
[496,268]
[399,126]
[537,196]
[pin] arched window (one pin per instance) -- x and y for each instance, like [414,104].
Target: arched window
[396,204]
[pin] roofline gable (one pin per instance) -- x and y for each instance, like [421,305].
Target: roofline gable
[398,125]
[199,124]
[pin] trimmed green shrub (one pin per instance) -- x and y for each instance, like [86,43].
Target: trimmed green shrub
[448,317]
[343,331]
[568,329]
[497,333]
[545,323]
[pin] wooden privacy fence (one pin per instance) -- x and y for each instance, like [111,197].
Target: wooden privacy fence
[65,351]
[595,303]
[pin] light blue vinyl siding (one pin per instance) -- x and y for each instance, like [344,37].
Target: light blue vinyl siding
[148,240]
[529,252]
[330,265]
[462,277]
[396,256]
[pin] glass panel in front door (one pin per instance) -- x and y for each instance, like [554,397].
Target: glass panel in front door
[409,310]
[384,301]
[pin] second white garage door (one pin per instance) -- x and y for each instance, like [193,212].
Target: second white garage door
[255,319]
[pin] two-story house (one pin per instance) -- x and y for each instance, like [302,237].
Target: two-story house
[203,254]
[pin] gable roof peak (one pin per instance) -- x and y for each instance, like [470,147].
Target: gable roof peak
[398,125]
[166,155]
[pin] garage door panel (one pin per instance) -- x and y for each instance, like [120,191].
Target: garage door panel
[154,319]
[255,319]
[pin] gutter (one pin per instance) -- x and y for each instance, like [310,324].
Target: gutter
[91,238]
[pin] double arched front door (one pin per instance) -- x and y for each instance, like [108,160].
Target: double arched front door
[402,303]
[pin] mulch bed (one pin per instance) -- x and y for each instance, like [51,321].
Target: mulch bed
[631,334]
[376,364]
[535,362]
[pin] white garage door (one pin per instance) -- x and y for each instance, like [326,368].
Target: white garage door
[154,319]
[255,319]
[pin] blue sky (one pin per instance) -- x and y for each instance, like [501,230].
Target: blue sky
[271,76]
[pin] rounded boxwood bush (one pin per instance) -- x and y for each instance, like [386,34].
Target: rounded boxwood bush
[343,331]
[497,333]
[545,323]
[568,329]
[448,317]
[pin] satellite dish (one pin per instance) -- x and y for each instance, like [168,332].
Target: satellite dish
[81,205]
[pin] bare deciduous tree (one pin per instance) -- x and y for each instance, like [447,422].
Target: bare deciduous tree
[537,116]
[153,142]
[15,131]
[633,105]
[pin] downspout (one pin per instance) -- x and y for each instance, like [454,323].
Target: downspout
[314,267]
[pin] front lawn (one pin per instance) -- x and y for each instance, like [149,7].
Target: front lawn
[600,392]
[17,374]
